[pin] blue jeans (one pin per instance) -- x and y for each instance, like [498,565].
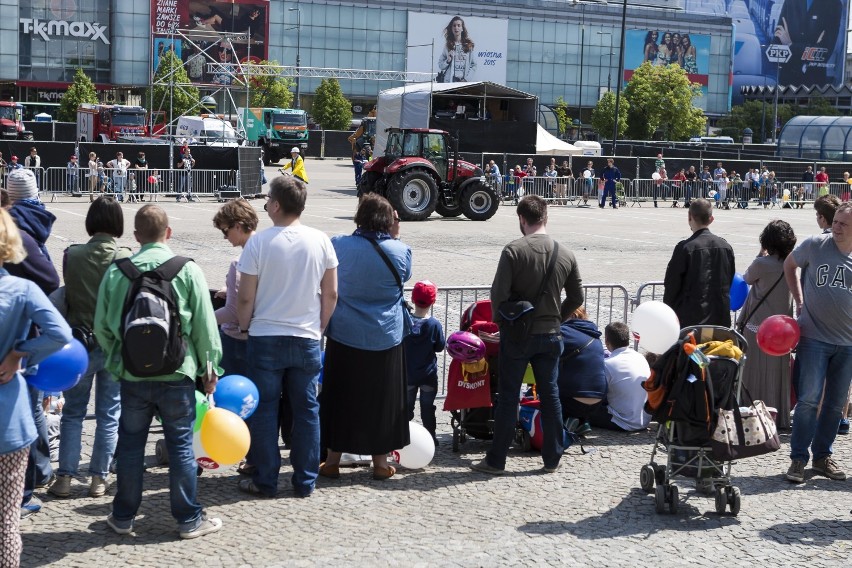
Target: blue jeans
[608,191]
[174,402]
[118,183]
[39,469]
[234,360]
[107,410]
[821,365]
[542,351]
[427,406]
[291,363]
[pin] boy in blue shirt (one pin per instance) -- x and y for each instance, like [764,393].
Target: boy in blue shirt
[425,340]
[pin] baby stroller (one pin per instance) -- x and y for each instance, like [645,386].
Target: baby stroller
[688,384]
[477,422]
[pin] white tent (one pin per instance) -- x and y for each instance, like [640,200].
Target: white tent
[548,144]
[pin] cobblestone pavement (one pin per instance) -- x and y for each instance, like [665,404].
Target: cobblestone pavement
[591,512]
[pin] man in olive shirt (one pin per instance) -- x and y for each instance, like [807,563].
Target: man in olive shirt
[520,272]
[171,397]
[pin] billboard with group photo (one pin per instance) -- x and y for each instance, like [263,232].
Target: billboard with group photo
[457,48]
[669,47]
[802,42]
[199,20]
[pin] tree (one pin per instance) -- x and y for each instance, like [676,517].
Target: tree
[270,91]
[184,97]
[758,116]
[82,90]
[604,112]
[661,99]
[331,109]
[560,109]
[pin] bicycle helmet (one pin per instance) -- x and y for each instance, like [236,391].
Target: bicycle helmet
[465,347]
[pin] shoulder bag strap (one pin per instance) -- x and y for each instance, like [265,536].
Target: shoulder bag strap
[742,325]
[388,262]
[576,351]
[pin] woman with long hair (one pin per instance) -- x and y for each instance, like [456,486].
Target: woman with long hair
[768,377]
[689,56]
[458,59]
[665,50]
[677,54]
[651,47]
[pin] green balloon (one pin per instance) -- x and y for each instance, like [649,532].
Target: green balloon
[201,408]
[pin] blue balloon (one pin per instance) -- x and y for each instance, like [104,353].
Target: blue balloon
[61,370]
[237,394]
[739,292]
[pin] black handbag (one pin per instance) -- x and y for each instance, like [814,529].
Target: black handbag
[517,314]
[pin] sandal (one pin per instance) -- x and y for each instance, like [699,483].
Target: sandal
[383,472]
[329,471]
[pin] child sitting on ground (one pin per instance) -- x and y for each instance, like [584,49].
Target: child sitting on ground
[426,339]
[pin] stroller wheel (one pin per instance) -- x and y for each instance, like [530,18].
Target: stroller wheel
[660,499]
[673,500]
[659,473]
[734,501]
[526,441]
[646,478]
[456,436]
[721,500]
[161,452]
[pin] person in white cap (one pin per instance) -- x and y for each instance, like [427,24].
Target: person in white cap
[296,165]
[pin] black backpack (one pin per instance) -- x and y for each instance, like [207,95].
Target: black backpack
[152,343]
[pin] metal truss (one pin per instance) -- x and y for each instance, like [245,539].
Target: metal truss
[319,72]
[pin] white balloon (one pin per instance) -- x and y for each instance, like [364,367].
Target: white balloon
[655,176]
[656,326]
[587,174]
[201,457]
[419,453]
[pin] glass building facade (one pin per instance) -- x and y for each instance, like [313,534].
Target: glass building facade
[553,48]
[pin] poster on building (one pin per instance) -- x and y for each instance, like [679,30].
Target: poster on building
[457,48]
[669,47]
[208,29]
[801,42]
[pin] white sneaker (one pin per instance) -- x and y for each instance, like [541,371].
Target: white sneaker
[207,526]
[98,486]
[61,487]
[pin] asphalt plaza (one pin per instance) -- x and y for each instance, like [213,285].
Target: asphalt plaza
[591,512]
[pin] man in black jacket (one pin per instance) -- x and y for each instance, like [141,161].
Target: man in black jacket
[699,274]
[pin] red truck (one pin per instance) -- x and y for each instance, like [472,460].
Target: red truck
[105,123]
[12,121]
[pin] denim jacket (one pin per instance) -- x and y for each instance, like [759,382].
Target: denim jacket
[22,304]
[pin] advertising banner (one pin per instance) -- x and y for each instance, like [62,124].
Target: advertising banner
[802,42]
[457,49]
[199,20]
[668,47]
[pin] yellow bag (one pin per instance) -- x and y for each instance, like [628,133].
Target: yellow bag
[721,349]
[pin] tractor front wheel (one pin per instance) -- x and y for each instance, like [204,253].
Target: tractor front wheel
[479,202]
[367,183]
[413,194]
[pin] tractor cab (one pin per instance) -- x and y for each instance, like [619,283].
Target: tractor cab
[430,145]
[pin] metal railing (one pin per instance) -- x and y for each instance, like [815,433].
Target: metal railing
[136,184]
[555,190]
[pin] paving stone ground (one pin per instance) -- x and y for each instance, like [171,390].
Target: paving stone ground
[591,512]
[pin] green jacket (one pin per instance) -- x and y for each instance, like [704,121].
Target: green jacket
[83,268]
[198,322]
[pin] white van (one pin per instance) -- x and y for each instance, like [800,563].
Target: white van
[711,140]
[206,129]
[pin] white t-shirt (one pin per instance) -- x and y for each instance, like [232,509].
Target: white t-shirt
[119,167]
[625,371]
[289,263]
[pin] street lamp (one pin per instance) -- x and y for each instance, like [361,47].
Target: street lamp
[618,78]
[298,11]
[775,104]
[609,68]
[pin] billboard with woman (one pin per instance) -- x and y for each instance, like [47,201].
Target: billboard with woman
[669,47]
[457,48]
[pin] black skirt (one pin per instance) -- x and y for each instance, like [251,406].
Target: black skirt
[363,406]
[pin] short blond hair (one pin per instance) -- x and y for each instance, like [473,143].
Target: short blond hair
[11,247]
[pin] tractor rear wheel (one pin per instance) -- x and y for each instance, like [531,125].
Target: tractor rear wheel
[413,194]
[479,202]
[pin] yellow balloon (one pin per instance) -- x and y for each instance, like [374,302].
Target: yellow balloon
[225,436]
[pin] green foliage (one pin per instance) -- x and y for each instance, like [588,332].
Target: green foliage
[757,116]
[560,109]
[661,99]
[604,112]
[817,106]
[185,97]
[331,109]
[82,90]
[270,91]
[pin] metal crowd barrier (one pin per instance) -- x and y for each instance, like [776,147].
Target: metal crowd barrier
[605,303]
[137,184]
[556,190]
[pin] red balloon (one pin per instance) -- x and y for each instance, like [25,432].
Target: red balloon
[152,179]
[778,335]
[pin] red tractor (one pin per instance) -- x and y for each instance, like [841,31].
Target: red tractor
[418,177]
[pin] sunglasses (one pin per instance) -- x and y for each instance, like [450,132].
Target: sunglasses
[225,231]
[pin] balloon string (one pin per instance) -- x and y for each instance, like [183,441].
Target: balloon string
[210,400]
